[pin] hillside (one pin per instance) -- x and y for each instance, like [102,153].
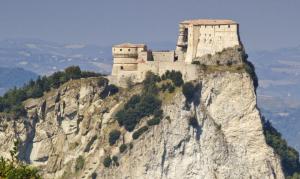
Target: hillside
[209,128]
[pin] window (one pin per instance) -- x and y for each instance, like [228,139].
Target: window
[219,26]
[228,26]
[129,50]
[122,67]
[120,50]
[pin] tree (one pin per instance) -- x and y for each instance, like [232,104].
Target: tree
[288,155]
[107,161]
[114,135]
[14,169]
[73,72]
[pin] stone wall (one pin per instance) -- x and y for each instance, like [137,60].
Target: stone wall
[209,39]
[164,56]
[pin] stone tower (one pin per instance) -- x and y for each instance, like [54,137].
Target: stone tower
[206,36]
[126,57]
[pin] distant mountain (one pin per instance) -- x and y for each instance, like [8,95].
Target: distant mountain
[278,92]
[11,77]
[43,57]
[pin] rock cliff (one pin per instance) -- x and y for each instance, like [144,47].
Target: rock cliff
[74,121]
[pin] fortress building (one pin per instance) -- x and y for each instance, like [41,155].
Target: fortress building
[196,39]
[204,36]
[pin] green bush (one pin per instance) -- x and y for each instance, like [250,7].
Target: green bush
[137,108]
[122,148]
[167,87]
[288,155]
[107,161]
[139,132]
[154,121]
[114,135]
[79,163]
[174,76]
[115,159]
[14,169]
[188,90]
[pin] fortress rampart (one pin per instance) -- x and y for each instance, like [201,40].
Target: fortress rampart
[197,40]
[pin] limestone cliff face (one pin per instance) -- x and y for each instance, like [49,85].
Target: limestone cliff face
[74,121]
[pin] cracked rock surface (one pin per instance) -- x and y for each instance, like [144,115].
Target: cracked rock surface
[227,142]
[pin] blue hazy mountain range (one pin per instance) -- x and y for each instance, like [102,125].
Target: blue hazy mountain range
[44,57]
[278,71]
[11,77]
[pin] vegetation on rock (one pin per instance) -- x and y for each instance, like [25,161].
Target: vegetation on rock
[288,155]
[154,121]
[122,148]
[79,163]
[11,101]
[174,76]
[107,161]
[139,132]
[139,106]
[114,135]
[14,169]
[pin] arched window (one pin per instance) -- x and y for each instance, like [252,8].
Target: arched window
[120,50]
[122,67]
[129,50]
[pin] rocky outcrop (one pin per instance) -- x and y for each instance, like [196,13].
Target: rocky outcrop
[227,140]
[229,56]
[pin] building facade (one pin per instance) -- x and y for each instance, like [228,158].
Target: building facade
[196,38]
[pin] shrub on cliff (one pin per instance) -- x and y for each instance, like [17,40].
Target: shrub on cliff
[139,132]
[107,161]
[136,108]
[114,135]
[154,121]
[288,155]
[14,169]
[139,106]
[122,148]
[79,163]
[174,76]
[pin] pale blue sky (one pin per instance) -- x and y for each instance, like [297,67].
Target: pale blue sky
[264,24]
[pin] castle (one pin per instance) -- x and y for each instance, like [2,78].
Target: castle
[197,38]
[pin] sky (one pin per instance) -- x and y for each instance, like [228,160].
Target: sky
[264,24]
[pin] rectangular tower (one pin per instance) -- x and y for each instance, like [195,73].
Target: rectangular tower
[206,36]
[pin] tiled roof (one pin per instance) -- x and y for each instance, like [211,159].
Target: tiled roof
[209,22]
